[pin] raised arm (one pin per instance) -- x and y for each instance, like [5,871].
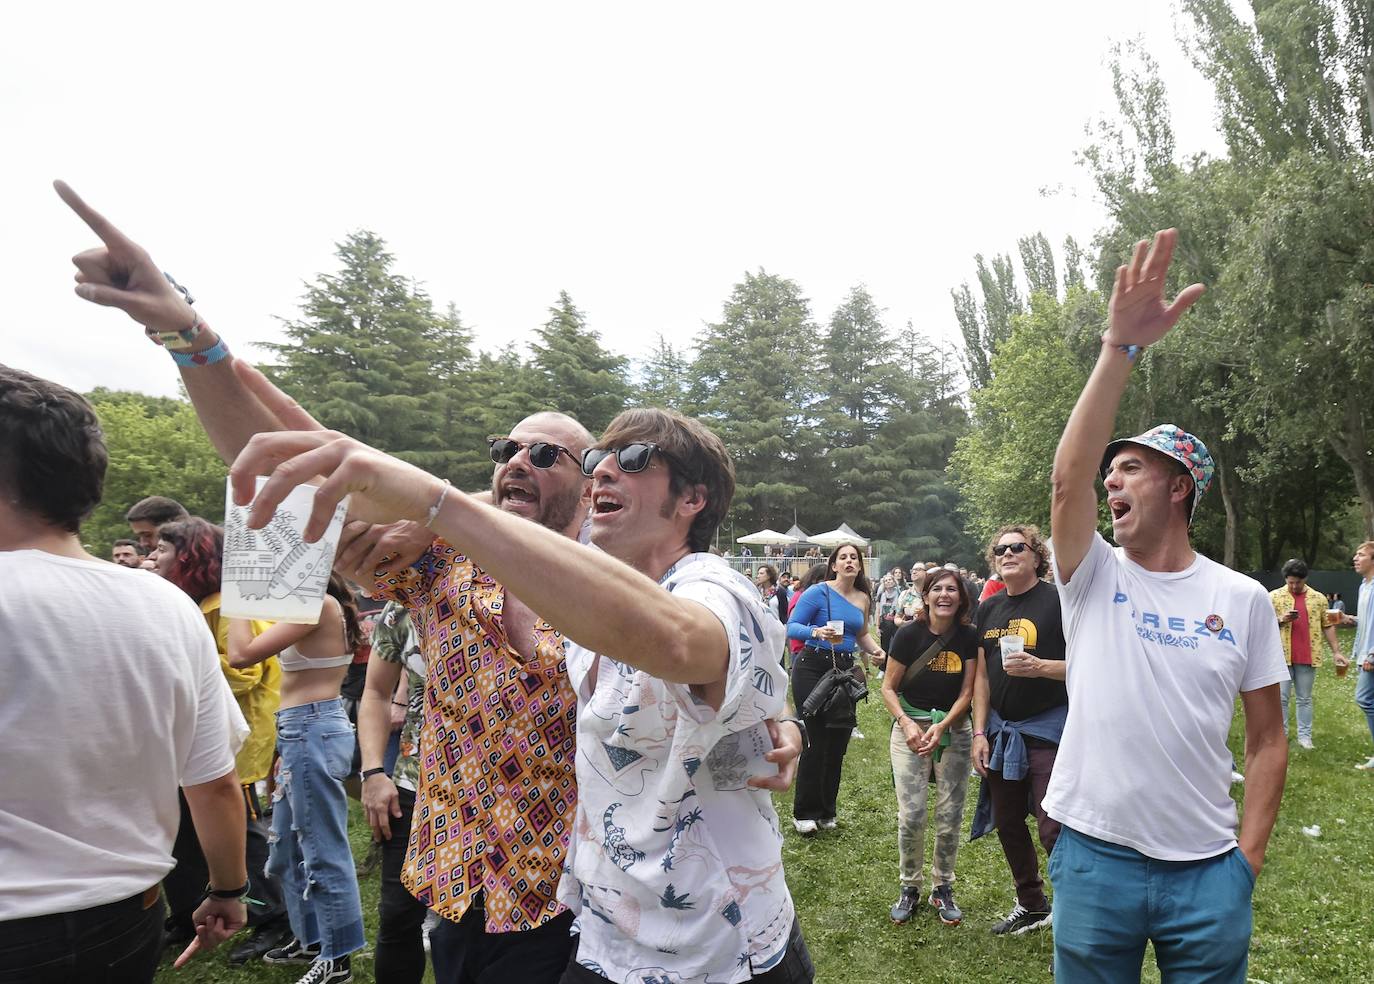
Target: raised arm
[233,400]
[1137,317]
[589,596]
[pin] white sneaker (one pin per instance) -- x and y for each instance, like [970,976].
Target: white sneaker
[804,826]
[830,824]
[856,733]
[1306,743]
[1366,766]
[1237,777]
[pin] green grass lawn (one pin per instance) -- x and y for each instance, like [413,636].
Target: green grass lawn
[1311,902]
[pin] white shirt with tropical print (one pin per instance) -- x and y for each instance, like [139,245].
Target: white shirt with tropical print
[675,864]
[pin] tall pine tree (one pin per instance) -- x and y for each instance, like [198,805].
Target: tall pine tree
[573,373]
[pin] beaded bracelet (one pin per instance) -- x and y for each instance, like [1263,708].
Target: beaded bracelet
[207,357]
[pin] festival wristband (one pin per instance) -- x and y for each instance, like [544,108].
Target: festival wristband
[174,340]
[206,357]
[233,893]
[369,773]
[980,734]
[1132,352]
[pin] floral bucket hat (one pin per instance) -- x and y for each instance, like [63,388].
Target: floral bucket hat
[1178,444]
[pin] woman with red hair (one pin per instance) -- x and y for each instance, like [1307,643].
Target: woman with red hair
[188,553]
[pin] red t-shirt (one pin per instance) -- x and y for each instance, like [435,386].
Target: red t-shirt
[1302,633]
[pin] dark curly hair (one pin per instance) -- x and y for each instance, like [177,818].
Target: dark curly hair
[200,547]
[52,454]
[1033,539]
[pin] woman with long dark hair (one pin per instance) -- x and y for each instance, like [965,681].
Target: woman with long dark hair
[310,851]
[931,734]
[831,620]
[188,553]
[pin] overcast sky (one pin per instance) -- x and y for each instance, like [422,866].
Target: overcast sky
[640,156]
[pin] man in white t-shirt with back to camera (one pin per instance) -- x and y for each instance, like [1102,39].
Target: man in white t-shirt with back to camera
[113,694]
[1160,642]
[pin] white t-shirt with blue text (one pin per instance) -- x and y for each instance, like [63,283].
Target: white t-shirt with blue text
[1155,662]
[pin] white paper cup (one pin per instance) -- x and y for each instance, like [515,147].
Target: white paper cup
[835,625]
[1013,646]
[272,573]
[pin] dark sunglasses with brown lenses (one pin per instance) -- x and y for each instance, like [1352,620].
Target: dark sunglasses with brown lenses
[1015,548]
[542,453]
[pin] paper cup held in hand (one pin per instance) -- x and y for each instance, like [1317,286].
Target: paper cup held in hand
[272,573]
[1013,646]
[835,625]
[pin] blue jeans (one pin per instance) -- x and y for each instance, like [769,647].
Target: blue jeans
[1364,693]
[309,851]
[1300,677]
[1109,900]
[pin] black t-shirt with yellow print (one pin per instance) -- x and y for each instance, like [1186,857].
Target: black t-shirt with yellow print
[937,686]
[1033,615]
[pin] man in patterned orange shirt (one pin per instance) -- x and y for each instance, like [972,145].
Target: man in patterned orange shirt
[496,791]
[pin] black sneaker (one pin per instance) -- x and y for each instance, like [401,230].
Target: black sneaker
[336,971]
[292,953]
[943,900]
[1021,920]
[263,940]
[906,906]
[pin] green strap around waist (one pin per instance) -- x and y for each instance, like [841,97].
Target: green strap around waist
[935,715]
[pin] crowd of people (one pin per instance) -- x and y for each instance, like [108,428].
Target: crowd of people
[574,715]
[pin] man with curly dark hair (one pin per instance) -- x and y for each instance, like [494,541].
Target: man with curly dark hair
[113,697]
[1019,707]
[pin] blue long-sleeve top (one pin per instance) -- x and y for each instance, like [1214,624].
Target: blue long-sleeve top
[819,604]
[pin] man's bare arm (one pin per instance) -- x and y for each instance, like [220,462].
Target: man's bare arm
[233,401]
[590,596]
[1266,765]
[1137,316]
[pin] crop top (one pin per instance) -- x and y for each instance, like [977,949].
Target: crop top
[292,661]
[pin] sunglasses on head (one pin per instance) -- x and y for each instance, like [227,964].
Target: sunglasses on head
[631,458]
[1015,548]
[542,453]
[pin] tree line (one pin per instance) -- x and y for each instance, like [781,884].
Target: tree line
[1274,367]
[921,446]
[838,421]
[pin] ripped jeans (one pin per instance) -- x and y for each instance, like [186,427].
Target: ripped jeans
[309,851]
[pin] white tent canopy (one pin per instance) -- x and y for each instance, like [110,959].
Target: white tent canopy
[843,534]
[769,538]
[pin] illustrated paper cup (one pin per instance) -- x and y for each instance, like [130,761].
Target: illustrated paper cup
[1011,645]
[272,573]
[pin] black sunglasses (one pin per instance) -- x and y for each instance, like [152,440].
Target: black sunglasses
[542,453]
[631,458]
[1015,548]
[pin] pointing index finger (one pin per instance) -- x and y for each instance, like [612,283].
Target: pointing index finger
[100,225]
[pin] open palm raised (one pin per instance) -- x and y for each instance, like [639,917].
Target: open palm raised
[1137,313]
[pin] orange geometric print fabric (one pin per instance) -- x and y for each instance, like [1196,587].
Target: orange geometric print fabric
[496,788]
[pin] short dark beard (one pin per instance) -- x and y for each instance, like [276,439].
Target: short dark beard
[558,512]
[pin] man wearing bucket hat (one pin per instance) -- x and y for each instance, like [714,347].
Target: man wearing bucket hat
[1160,642]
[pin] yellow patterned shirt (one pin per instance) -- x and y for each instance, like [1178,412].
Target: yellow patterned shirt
[1282,600]
[494,802]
